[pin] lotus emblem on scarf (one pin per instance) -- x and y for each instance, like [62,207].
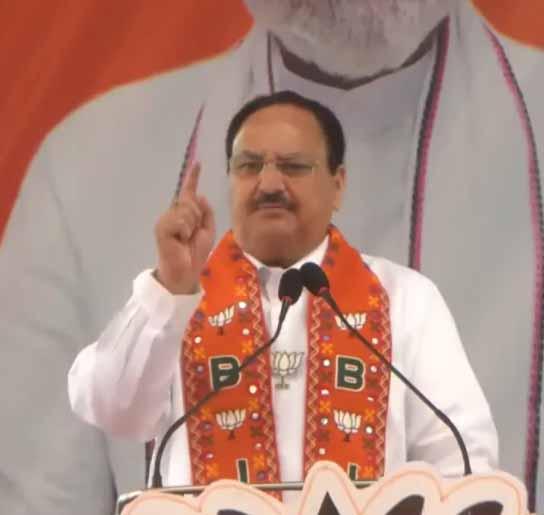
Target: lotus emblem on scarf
[285,364]
[347,422]
[220,320]
[356,320]
[231,420]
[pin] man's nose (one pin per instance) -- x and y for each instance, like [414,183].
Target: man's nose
[270,178]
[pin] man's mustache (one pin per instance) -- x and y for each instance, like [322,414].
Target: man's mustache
[277,199]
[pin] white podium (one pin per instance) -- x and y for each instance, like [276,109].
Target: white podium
[416,489]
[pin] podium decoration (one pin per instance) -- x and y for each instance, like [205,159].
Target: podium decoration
[415,489]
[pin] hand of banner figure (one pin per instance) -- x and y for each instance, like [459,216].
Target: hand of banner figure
[185,235]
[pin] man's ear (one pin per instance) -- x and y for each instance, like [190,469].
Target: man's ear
[340,185]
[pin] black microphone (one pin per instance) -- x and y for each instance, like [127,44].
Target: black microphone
[316,281]
[289,291]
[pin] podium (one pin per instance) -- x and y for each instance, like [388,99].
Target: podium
[415,489]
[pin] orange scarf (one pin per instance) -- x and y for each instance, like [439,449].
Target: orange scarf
[347,388]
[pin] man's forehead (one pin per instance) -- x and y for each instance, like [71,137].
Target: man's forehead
[285,120]
[263,154]
[255,147]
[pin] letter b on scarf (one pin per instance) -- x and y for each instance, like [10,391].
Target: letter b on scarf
[224,371]
[350,373]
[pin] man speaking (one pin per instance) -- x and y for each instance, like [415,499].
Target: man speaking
[204,309]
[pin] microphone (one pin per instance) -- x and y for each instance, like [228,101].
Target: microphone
[316,281]
[289,291]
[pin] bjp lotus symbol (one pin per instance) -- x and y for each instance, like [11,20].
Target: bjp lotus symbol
[356,320]
[285,364]
[220,320]
[230,420]
[348,423]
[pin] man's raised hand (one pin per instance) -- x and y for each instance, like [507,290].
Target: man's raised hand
[185,235]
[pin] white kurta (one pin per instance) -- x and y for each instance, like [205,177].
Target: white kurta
[128,382]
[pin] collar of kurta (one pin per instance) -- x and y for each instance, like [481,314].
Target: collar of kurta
[347,389]
[270,277]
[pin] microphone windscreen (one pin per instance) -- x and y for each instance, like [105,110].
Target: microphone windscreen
[314,278]
[290,286]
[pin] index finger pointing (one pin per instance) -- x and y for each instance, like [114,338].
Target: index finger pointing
[190,181]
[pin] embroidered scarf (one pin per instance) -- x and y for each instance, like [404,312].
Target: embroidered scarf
[347,388]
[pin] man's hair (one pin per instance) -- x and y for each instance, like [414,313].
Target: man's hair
[329,123]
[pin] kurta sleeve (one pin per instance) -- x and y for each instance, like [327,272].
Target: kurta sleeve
[438,365]
[122,382]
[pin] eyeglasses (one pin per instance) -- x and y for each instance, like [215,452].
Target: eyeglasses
[245,166]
